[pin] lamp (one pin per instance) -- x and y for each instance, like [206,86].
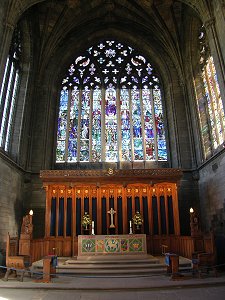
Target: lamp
[191,210]
[31,212]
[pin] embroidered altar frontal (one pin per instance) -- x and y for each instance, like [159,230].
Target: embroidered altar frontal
[128,244]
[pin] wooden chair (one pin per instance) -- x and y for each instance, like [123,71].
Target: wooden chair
[15,263]
[203,263]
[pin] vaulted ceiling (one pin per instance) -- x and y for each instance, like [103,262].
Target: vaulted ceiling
[64,25]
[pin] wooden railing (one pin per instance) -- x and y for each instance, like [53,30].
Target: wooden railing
[182,245]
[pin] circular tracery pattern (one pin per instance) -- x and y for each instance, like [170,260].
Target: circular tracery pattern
[110,63]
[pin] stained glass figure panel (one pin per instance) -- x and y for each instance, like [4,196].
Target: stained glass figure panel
[208,98]
[137,128]
[148,124]
[62,126]
[85,125]
[96,125]
[159,124]
[125,125]
[73,125]
[111,142]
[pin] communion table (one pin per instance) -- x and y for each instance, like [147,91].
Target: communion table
[127,244]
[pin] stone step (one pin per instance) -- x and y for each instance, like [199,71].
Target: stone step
[110,266]
[114,262]
[110,271]
[107,266]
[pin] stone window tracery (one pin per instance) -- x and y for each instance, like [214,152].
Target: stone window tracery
[209,102]
[110,108]
[9,90]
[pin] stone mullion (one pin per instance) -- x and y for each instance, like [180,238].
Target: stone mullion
[154,126]
[68,123]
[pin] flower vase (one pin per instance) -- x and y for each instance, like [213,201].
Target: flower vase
[138,229]
[86,230]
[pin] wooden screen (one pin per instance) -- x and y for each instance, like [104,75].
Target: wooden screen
[65,206]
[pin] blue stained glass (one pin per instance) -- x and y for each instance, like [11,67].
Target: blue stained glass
[85,125]
[135,119]
[111,142]
[73,126]
[148,124]
[60,151]
[125,124]
[137,129]
[62,126]
[159,124]
[96,125]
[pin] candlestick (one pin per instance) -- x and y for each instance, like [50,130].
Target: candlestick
[130,228]
[93,228]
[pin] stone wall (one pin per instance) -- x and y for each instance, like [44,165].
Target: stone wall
[11,199]
[212,193]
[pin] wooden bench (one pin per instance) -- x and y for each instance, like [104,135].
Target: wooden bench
[203,263]
[15,263]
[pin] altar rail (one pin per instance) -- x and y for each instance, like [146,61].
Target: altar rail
[182,245]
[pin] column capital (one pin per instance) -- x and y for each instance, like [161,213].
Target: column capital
[209,22]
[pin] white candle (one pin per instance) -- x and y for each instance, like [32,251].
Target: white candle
[92,228]
[130,227]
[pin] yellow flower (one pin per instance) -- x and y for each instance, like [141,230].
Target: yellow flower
[137,219]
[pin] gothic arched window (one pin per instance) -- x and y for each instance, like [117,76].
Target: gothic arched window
[9,91]
[110,108]
[209,102]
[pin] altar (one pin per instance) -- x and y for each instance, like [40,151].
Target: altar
[127,244]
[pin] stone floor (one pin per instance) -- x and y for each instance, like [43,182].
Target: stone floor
[160,287]
[154,286]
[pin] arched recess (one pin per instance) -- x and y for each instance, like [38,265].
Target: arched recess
[172,93]
[20,142]
[15,101]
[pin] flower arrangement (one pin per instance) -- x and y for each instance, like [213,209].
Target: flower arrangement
[86,220]
[137,219]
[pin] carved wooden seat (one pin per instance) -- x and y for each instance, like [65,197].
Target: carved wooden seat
[203,263]
[15,263]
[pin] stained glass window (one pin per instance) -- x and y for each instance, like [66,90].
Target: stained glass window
[9,91]
[110,108]
[209,102]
